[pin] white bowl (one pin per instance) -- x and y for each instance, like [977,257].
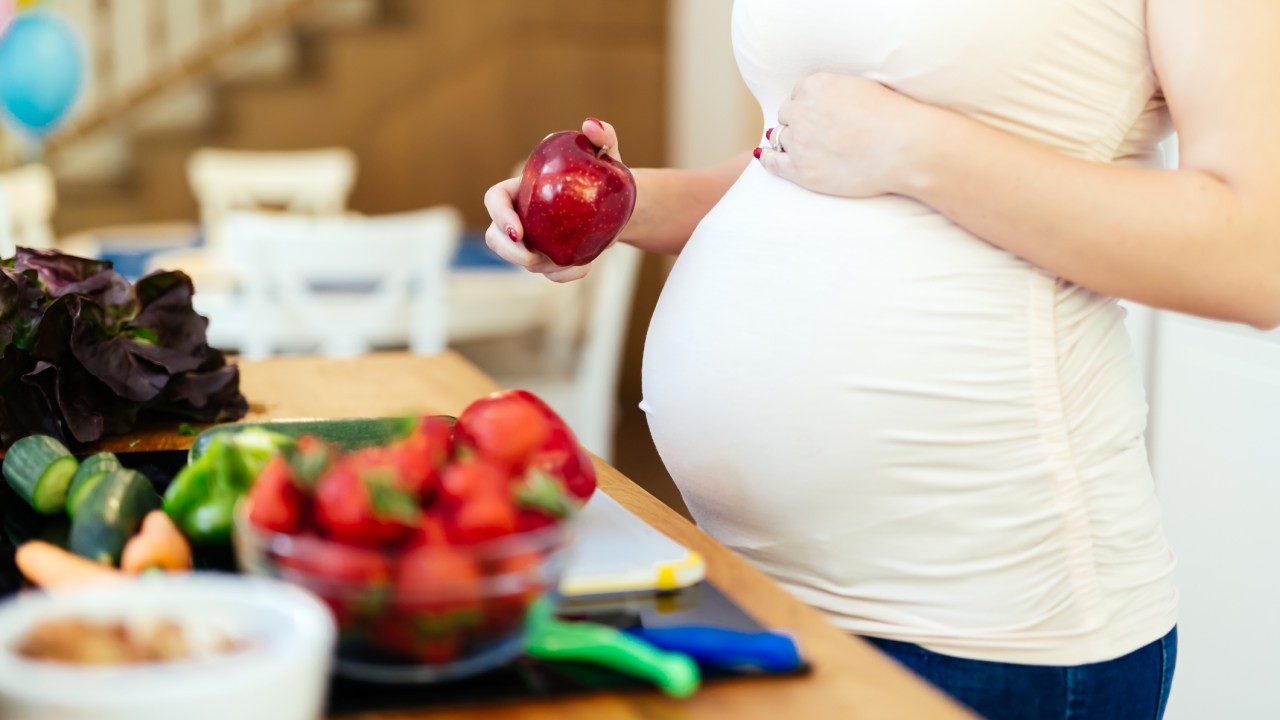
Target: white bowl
[282,675]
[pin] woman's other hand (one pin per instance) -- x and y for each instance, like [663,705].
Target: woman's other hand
[843,135]
[505,235]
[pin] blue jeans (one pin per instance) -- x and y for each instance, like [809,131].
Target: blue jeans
[1132,687]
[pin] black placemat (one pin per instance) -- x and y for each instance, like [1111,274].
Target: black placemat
[527,678]
[524,679]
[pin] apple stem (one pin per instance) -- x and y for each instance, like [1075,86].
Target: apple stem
[600,151]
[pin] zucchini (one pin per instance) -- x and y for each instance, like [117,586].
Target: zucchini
[39,469]
[91,470]
[110,513]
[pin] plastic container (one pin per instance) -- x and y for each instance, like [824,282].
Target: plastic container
[465,613]
[289,640]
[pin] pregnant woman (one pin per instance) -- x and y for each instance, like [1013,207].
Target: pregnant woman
[889,368]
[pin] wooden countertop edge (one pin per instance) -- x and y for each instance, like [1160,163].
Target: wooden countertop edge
[847,670]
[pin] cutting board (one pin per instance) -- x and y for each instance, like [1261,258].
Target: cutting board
[615,552]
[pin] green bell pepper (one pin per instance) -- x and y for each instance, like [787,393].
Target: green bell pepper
[188,489]
[202,498]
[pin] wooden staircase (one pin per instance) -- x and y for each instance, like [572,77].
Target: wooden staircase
[186,68]
[437,98]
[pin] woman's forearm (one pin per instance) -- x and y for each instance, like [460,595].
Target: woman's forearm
[670,203]
[1182,240]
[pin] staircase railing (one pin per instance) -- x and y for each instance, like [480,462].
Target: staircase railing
[141,51]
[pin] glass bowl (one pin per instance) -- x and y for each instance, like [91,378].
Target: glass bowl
[415,615]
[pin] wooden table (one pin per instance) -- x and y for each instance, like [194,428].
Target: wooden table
[850,678]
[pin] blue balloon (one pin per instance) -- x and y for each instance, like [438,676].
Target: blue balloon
[41,70]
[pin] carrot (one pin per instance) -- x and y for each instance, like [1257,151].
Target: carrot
[159,544]
[49,566]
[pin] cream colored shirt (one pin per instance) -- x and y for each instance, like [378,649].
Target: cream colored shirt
[924,436]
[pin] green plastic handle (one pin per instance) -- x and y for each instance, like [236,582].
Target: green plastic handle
[551,639]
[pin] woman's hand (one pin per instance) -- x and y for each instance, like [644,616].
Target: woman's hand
[843,135]
[506,235]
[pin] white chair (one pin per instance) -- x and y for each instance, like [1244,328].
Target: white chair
[27,200]
[489,304]
[590,319]
[313,182]
[339,285]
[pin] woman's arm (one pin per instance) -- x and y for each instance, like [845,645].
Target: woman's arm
[671,203]
[1204,239]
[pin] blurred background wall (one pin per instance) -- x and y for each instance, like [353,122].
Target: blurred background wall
[435,98]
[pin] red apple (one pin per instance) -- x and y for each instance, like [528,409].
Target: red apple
[573,199]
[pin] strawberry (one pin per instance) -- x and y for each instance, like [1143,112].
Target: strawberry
[436,580]
[517,430]
[420,457]
[469,477]
[477,502]
[545,493]
[277,504]
[571,465]
[393,633]
[504,428]
[309,459]
[561,434]
[486,516]
[530,519]
[403,636]
[537,402]
[438,650]
[429,532]
[438,593]
[359,500]
[351,580]
[504,614]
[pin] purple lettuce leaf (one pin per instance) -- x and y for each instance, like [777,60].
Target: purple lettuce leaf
[79,415]
[53,336]
[167,331]
[26,410]
[22,302]
[89,409]
[13,364]
[110,357]
[10,291]
[210,393]
[55,269]
[108,288]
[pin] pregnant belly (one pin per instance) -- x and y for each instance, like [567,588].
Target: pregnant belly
[864,380]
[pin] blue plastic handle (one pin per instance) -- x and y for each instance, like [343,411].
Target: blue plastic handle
[719,647]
